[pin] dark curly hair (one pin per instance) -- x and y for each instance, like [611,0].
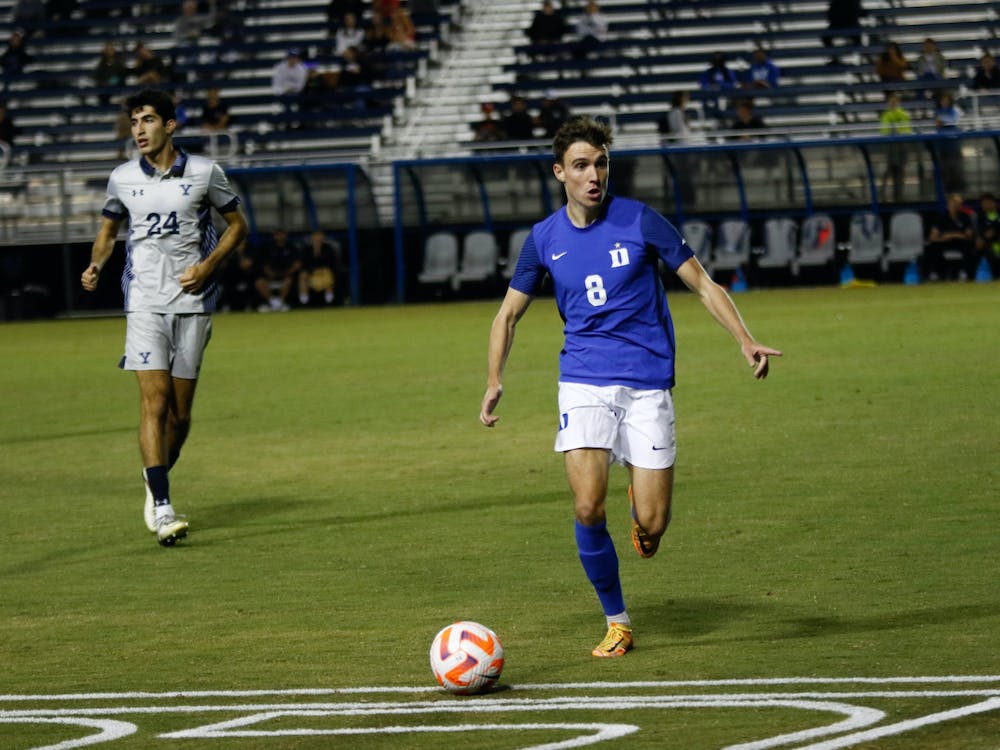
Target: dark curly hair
[581,128]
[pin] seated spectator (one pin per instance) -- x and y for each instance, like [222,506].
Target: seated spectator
[28,14]
[349,34]
[988,231]
[746,120]
[762,73]
[377,36]
[891,65]
[402,32]
[288,79]
[843,17]
[947,115]
[15,57]
[110,72]
[987,74]
[950,241]
[718,76]
[518,124]
[383,10]
[547,25]
[189,27]
[8,130]
[930,65]
[277,269]
[591,30]
[337,10]
[148,67]
[320,260]
[552,113]
[488,129]
[356,73]
[214,111]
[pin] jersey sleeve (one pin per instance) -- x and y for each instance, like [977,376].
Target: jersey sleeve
[662,235]
[113,208]
[529,272]
[219,191]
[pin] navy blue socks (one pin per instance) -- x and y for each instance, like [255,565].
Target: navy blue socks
[600,562]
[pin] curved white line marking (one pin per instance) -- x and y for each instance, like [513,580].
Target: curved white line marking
[110,730]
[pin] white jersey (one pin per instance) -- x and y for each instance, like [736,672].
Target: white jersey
[170,229]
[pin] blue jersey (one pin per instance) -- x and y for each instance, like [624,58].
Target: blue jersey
[617,324]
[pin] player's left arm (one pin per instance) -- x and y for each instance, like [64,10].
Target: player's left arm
[722,308]
[194,278]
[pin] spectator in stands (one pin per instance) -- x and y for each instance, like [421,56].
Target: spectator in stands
[675,128]
[148,67]
[402,32]
[762,73]
[356,76]
[111,72]
[15,57]
[718,76]
[891,65]
[675,125]
[987,74]
[547,25]
[747,121]
[320,260]
[8,130]
[214,111]
[488,129]
[288,79]
[278,269]
[29,15]
[337,11]
[930,65]
[988,231]
[518,124]
[377,35]
[951,239]
[947,117]
[191,24]
[894,120]
[348,34]
[228,28]
[383,10]
[552,113]
[591,30]
[239,278]
[843,17]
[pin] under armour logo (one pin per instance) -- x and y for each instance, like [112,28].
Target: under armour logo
[145,357]
[136,192]
[185,188]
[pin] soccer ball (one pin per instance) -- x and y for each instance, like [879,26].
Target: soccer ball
[466,658]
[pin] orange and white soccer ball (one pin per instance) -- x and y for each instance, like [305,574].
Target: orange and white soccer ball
[466,658]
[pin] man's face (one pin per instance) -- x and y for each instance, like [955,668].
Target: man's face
[989,205]
[584,172]
[149,131]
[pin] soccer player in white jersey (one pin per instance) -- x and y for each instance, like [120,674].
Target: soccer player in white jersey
[617,364]
[173,254]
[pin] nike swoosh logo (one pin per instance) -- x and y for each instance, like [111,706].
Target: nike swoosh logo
[557,256]
[659,448]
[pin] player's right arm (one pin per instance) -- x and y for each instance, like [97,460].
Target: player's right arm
[103,246]
[514,305]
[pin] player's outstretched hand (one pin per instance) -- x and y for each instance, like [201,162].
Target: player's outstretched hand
[756,355]
[194,278]
[490,401]
[89,278]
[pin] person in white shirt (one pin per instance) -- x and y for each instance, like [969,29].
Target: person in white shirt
[173,253]
[591,30]
[288,77]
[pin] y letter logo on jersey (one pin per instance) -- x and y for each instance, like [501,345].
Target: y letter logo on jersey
[619,256]
[186,188]
[557,256]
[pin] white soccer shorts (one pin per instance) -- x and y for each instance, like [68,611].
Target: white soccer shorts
[166,341]
[636,425]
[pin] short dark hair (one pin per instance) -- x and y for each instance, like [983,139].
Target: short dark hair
[161,102]
[581,128]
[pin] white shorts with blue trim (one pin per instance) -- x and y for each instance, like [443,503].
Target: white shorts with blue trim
[174,342]
[636,425]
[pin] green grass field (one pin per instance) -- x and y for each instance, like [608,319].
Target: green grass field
[838,521]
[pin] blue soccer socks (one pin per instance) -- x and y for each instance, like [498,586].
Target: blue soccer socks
[600,562]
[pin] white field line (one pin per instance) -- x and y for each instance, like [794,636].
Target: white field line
[858,721]
[110,730]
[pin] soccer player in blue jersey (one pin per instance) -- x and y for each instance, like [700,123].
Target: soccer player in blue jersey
[617,363]
[172,255]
